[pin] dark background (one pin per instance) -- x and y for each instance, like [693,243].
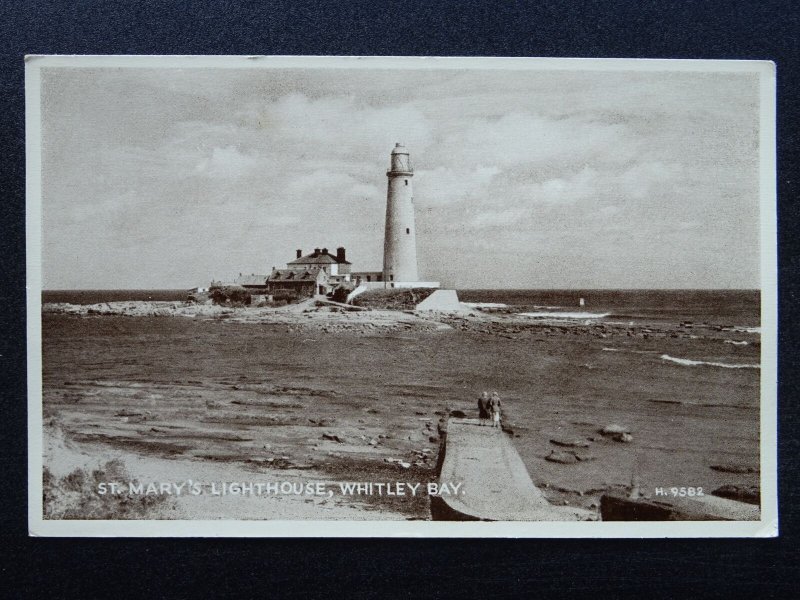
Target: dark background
[403,568]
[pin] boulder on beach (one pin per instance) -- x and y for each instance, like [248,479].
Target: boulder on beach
[735,468]
[751,494]
[566,457]
[570,442]
[614,429]
[618,433]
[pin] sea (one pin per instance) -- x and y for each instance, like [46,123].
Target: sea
[736,309]
[689,392]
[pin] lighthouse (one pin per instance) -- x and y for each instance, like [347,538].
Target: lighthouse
[400,239]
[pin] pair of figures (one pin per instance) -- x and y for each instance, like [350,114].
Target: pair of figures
[489,408]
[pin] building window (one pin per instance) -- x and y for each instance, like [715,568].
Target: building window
[368,278]
[406,181]
[391,278]
[408,231]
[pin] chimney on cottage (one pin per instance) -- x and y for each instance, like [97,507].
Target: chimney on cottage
[340,254]
[316,252]
[299,253]
[324,250]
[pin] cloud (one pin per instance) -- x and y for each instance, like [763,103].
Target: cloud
[641,179]
[338,127]
[444,185]
[500,218]
[327,185]
[523,138]
[226,163]
[609,211]
[568,189]
[227,171]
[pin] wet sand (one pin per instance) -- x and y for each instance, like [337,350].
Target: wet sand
[330,396]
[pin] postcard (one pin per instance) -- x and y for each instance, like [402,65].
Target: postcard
[279,296]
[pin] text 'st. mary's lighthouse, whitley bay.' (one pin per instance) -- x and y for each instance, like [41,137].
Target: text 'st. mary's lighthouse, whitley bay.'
[400,241]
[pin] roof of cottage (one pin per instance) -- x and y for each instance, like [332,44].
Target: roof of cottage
[293,275]
[318,258]
[251,279]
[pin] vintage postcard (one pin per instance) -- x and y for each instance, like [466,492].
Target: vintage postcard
[321,296]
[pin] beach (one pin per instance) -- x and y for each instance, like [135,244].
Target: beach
[309,393]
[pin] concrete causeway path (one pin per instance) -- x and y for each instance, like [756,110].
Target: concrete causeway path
[495,484]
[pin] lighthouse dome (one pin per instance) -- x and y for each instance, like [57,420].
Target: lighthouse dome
[400,161]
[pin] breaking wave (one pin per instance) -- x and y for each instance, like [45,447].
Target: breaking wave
[564,315]
[744,329]
[697,363]
[485,304]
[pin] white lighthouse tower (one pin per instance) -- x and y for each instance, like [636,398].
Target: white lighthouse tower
[400,241]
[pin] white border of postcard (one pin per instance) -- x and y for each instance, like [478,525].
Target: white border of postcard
[766,527]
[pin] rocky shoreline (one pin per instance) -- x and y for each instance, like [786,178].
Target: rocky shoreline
[307,315]
[328,392]
[331,318]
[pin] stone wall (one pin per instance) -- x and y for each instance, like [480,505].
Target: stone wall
[286,291]
[393,299]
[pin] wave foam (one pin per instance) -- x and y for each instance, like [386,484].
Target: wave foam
[744,329]
[565,315]
[697,363]
[484,304]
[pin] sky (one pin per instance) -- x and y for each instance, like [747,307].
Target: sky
[169,178]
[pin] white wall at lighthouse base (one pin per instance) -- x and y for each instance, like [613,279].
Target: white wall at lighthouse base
[372,285]
[411,284]
[356,292]
[441,300]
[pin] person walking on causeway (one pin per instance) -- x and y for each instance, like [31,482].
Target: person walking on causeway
[494,406]
[483,408]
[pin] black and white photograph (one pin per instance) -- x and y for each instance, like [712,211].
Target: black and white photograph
[320,296]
